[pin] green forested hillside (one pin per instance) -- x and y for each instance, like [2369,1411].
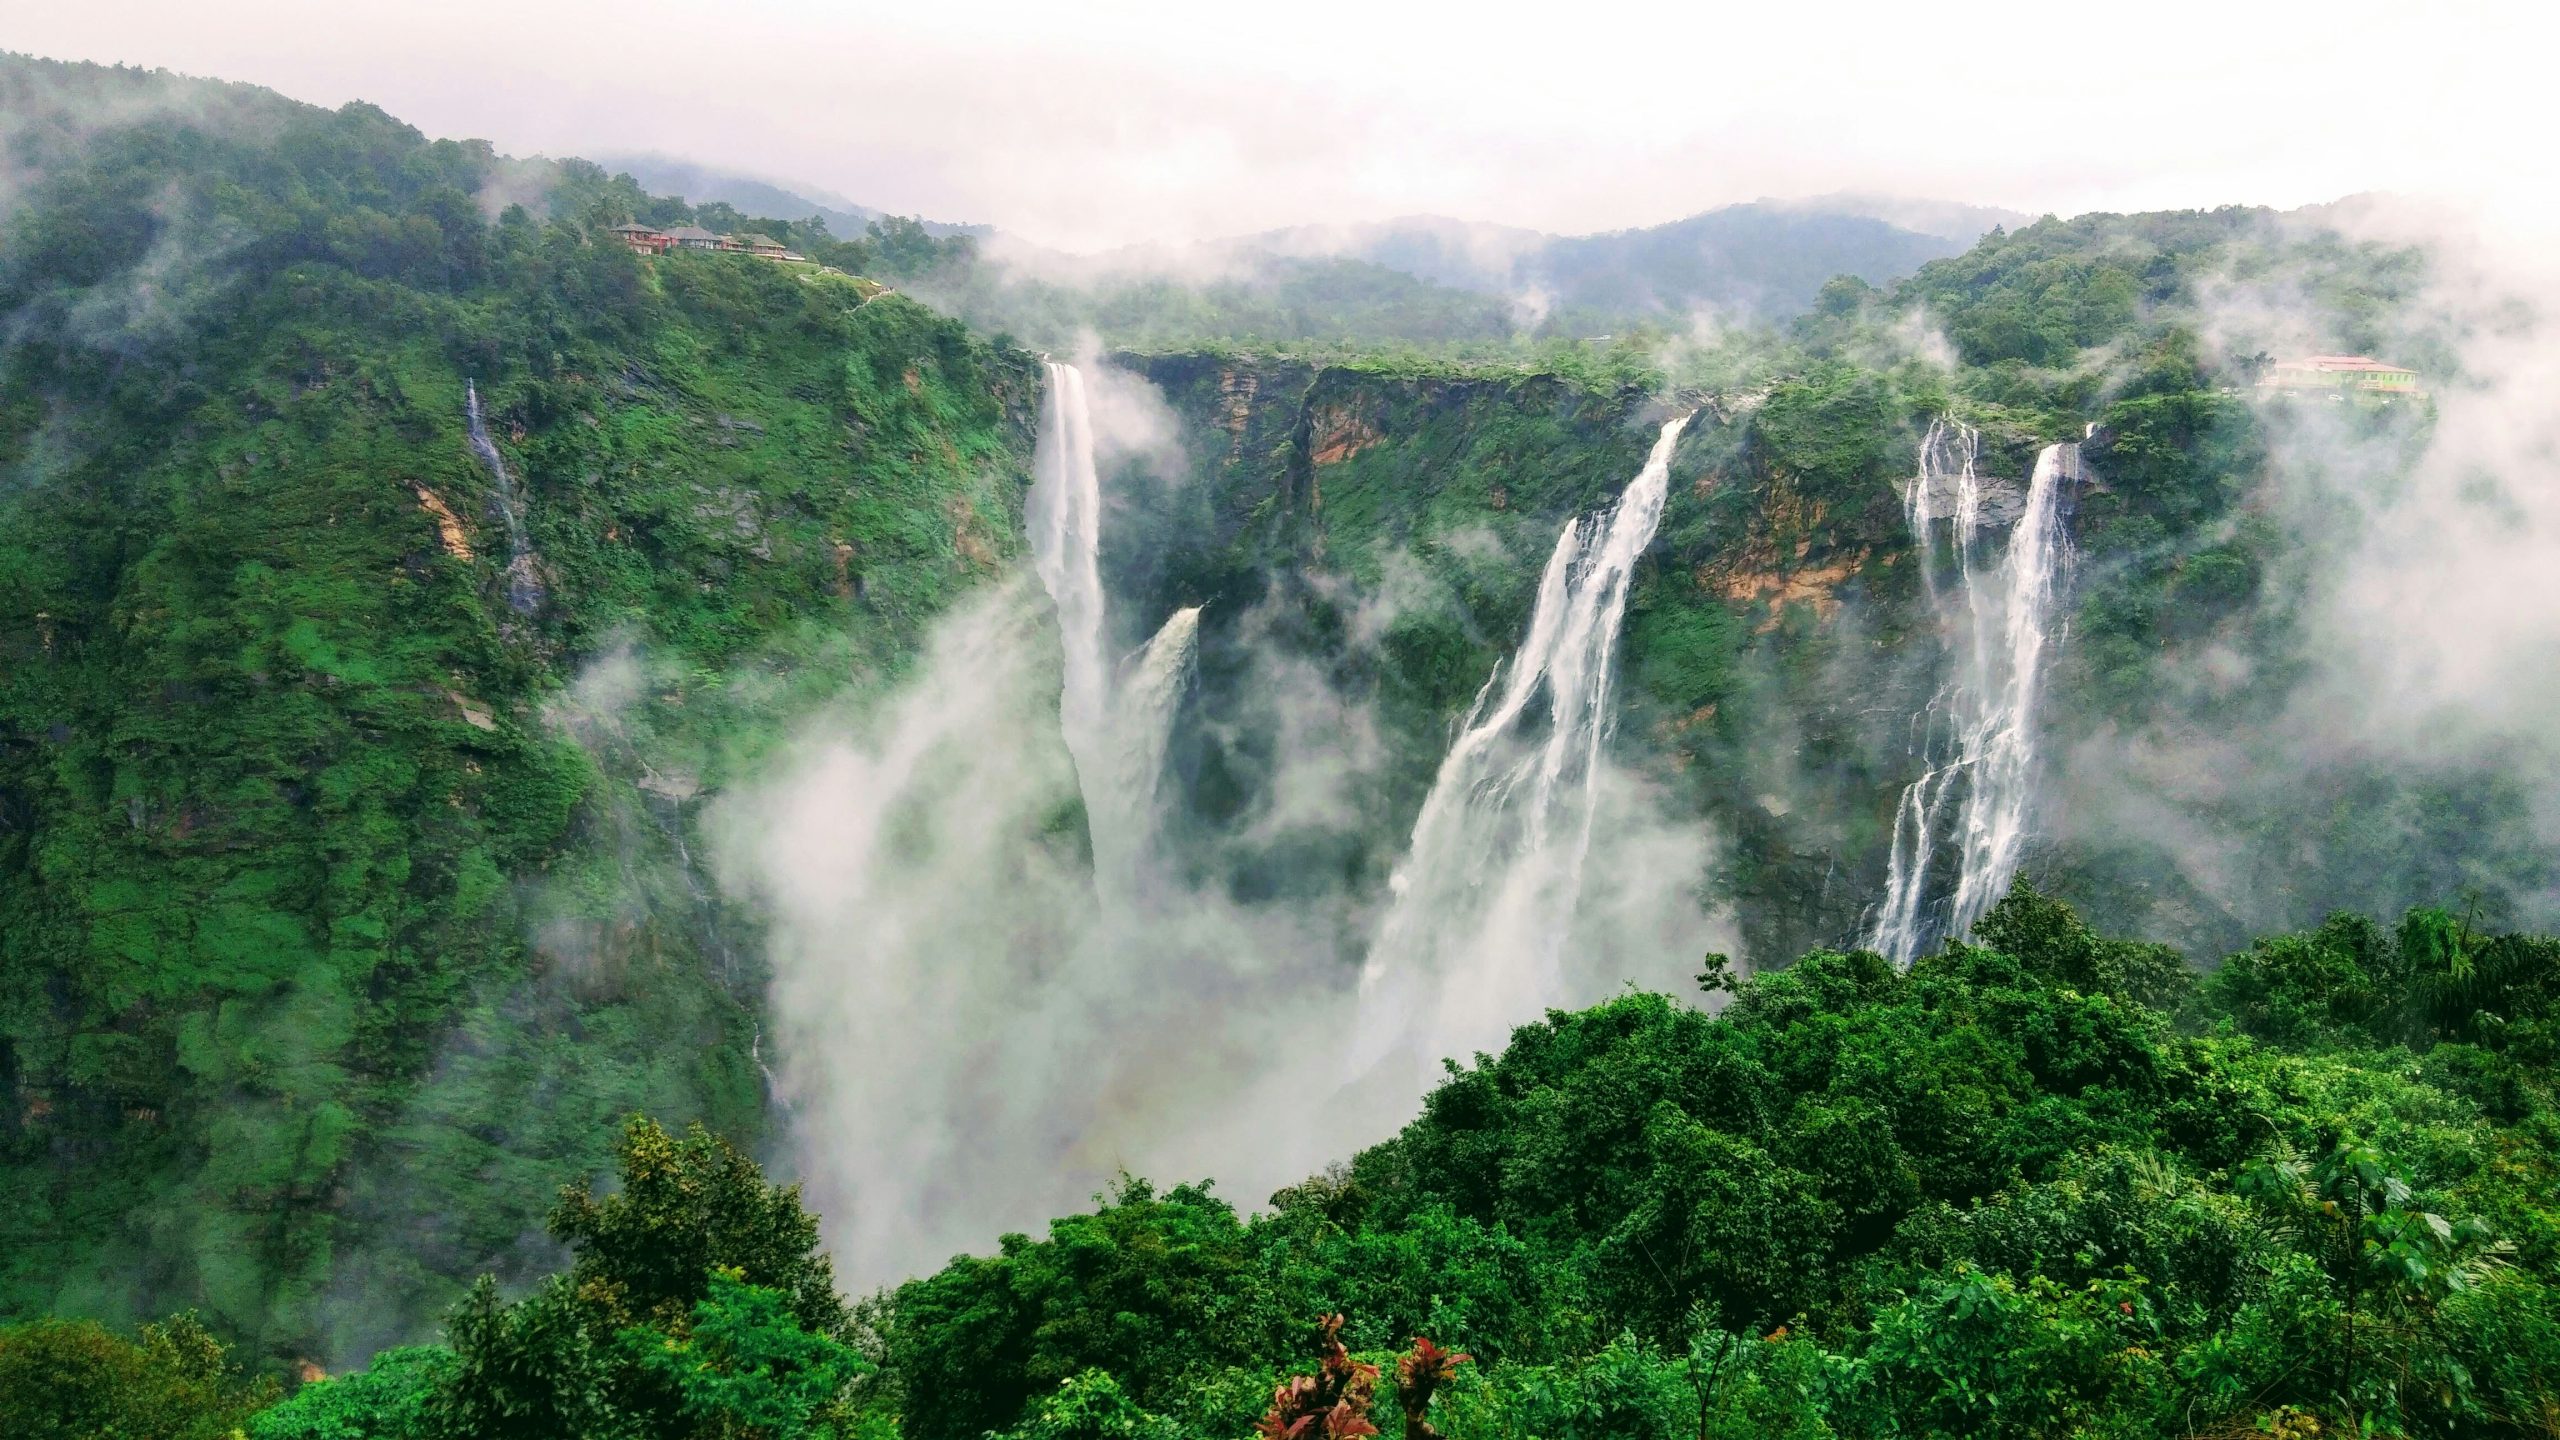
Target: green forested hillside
[352,902]
[340,903]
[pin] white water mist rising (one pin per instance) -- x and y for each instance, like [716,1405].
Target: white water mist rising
[1486,897]
[524,577]
[973,1030]
[1962,825]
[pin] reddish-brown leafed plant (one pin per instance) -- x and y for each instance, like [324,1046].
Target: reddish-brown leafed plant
[1421,1371]
[1331,1404]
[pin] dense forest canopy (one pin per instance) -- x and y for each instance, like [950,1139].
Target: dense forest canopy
[396,571]
[2044,1183]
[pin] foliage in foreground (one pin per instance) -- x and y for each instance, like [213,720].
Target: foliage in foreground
[2043,1184]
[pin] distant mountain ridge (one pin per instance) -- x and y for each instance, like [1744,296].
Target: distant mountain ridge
[698,183]
[1954,220]
[1766,259]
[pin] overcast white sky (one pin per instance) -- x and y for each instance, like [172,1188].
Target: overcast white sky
[1090,125]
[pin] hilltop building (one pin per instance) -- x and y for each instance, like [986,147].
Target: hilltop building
[2342,374]
[650,240]
[645,239]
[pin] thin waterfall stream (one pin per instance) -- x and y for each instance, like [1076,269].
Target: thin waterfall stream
[524,575]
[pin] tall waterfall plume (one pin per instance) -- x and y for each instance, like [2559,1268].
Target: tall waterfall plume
[1970,807]
[1116,719]
[524,577]
[1485,899]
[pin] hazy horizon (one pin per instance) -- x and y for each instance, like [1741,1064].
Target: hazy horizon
[1088,131]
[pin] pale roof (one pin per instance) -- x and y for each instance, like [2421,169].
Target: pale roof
[2350,363]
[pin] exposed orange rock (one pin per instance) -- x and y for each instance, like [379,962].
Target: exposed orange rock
[1812,585]
[1692,720]
[1336,433]
[457,541]
[1236,392]
[476,716]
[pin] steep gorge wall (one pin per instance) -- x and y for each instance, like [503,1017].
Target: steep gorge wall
[1388,530]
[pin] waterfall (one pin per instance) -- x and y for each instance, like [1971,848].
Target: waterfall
[1485,899]
[1976,737]
[1142,712]
[1064,516]
[524,578]
[1117,721]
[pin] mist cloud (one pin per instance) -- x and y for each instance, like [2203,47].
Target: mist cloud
[2419,558]
[973,1035]
[1085,129]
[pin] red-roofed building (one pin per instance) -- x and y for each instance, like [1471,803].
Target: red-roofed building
[646,239]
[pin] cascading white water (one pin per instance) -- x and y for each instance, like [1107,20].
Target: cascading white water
[1042,1030]
[1116,726]
[1064,516]
[524,576]
[1492,878]
[1977,734]
[1142,712]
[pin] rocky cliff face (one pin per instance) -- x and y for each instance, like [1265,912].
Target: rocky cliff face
[1384,530]
[1387,531]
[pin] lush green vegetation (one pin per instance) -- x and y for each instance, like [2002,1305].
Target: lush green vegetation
[347,903]
[2043,1184]
[342,905]
[2040,1185]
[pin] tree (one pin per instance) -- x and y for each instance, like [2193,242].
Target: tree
[1092,1406]
[392,1398]
[745,1369]
[1420,1372]
[76,1379]
[533,1370]
[1155,1289]
[689,1207]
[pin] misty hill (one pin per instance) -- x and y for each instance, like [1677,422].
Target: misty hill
[697,182]
[1763,260]
[1431,281]
[1953,220]
[331,884]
